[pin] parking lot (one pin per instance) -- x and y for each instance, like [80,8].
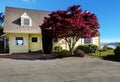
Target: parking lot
[72,69]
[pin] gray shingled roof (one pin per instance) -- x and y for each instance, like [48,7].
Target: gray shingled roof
[12,20]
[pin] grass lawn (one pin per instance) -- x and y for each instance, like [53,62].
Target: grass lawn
[103,53]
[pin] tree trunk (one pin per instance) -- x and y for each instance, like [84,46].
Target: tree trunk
[47,44]
[71,43]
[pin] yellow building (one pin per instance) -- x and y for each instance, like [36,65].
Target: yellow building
[22,31]
[23,34]
[61,43]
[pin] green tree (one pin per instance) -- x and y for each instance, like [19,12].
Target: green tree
[1,19]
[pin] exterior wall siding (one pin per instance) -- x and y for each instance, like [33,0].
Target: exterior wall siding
[95,41]
[28,45]
[35,46]
[15,48]
[79,42]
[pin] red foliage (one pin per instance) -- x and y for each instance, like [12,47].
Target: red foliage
[70,23]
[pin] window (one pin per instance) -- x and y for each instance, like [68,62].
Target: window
[26,21]
[19,41]
[87,40]
[34,39]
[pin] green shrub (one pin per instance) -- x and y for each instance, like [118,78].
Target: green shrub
[105,48]
[117,51]
[64,53]
[79,53]
[88,48]
[83,47]
[57,48]
[110,48]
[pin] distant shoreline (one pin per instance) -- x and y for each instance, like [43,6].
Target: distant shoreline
[112,46]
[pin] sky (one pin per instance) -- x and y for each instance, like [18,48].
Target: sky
[107,12]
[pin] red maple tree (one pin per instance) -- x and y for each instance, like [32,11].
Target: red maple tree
[71,24]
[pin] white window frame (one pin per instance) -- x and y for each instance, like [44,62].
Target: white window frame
[88,40]
[23,17]
[25,21]
[17,41]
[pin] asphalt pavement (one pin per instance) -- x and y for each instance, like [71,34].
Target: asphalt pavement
[72,69]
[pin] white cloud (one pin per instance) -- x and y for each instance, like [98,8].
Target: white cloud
[110,40]
[25,0]
[28,0]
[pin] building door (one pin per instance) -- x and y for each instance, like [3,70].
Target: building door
[35,43]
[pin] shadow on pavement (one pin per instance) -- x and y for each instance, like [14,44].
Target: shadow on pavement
[28,56]
[111,58]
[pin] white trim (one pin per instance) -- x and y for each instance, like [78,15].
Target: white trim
[91,40]
[23,16]
[24,40]
[38,39]
[14,41]
[82,40]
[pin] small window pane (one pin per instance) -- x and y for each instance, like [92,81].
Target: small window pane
[26,21]
[19,41]
[34,39]
[87,41]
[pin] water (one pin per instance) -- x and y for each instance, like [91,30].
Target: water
[112,46]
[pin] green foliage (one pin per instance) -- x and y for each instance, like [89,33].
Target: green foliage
[105,48]
[117,51]
[1,30]
[57,48]
[64,53]
[88,48]
[1,19]
[102,53]
[109,48]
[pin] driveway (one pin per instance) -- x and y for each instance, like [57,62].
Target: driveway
[59,70]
